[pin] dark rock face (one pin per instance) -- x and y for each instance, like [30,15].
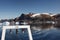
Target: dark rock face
[25,17]
[22,17]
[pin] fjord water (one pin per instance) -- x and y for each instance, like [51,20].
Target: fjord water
[41,32]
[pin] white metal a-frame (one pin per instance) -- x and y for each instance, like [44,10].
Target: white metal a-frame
[16,27]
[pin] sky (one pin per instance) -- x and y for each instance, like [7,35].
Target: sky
[14,8]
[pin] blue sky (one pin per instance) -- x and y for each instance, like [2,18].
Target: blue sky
[14,8]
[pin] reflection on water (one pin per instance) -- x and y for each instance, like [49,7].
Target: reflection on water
[39,32]
[42,26]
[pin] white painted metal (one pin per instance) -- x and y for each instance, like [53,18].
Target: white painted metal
[16,27]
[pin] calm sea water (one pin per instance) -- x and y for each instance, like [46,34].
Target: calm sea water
[52,34]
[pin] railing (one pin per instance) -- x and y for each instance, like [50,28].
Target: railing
[16,27]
